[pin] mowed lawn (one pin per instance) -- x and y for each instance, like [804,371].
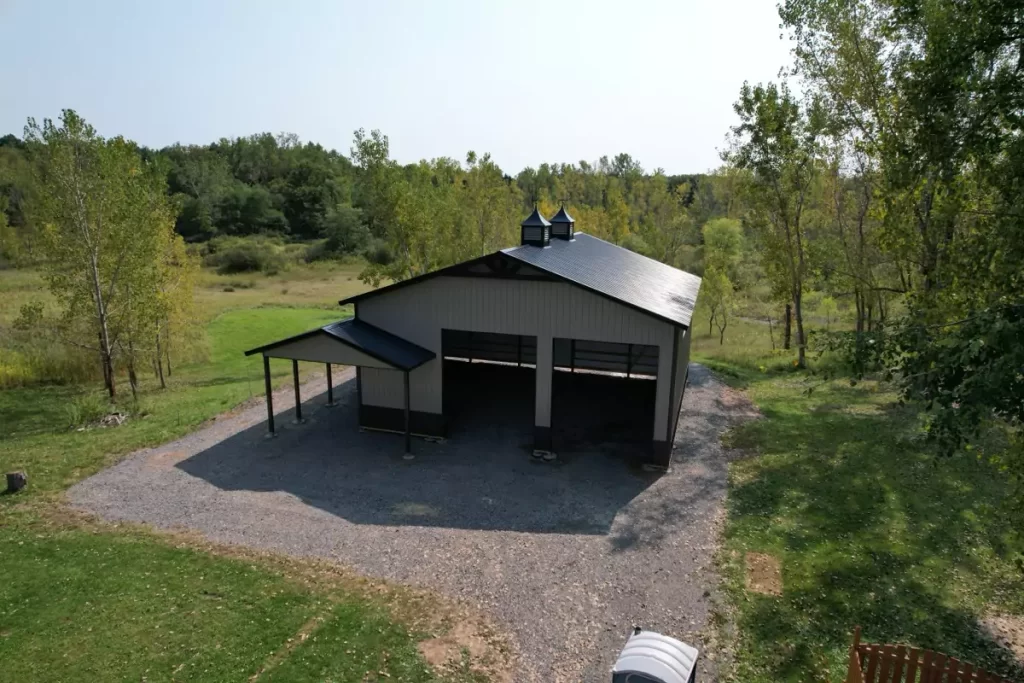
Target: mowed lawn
[85,601]
[868,526]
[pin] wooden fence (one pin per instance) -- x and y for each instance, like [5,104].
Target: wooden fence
[875,663]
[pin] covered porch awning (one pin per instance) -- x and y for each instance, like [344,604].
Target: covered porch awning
[349,342]
[346,342]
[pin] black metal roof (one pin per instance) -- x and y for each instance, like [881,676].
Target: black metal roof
[371,340]
[617,272]
[607,269]
[562,216]
[535,220]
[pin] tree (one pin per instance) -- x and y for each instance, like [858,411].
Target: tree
[17,190]
[491,204]
[345,230]
[175,319]
[105,222]
[780,145]
[930,96]
[718,291]
[723,244]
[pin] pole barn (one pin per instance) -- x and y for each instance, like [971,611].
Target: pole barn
[588,334]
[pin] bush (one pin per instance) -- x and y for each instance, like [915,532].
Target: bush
[346,236]
[856,353]
[236,255]
[318,251]
[248,258]
[379,253]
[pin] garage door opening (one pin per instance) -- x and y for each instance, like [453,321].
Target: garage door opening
[603,396]
[489,382]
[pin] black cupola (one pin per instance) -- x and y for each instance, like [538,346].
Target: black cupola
[536,230]
[562,225]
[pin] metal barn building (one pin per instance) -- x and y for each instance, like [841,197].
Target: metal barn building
[569,316]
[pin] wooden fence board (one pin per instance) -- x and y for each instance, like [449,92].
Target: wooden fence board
[885,672]
[928,668]
[869,676]
[912,657]
[900,662]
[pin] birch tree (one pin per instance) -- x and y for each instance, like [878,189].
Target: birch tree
[105,225]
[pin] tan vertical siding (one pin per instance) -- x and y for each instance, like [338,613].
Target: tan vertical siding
[385,388]
[529,307]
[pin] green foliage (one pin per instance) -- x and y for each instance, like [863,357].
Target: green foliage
[869,530]
[85,409]
[245,210]
[778,142]
[259,184]
[857,354]
[828,309]
[723,243]
[245,256]
[345,231]
[718,294]
[926,110]
[107,242]
[968,374]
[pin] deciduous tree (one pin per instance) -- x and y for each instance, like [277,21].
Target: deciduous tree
[780,144]
[106,223]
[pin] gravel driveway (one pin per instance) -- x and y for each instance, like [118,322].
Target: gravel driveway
[566,557]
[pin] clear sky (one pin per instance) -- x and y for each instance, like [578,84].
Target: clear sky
[526,81]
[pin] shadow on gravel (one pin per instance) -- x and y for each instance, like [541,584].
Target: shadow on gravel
[699,471]
[483,478]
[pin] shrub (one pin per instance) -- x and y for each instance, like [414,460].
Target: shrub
[247,257]
[379,253]
[85,409]
[317,251]
[856,353]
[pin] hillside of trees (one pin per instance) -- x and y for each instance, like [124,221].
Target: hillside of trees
[366,203]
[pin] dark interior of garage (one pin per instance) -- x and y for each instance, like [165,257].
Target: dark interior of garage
[590,412]
[602,394]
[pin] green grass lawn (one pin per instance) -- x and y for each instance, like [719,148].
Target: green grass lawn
[870,528]
[35,434]
[85,601]
[81,604]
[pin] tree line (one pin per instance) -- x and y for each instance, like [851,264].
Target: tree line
[117,227]
[367,203]
[895,176]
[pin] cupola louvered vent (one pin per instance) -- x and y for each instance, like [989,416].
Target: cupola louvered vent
[536,230]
